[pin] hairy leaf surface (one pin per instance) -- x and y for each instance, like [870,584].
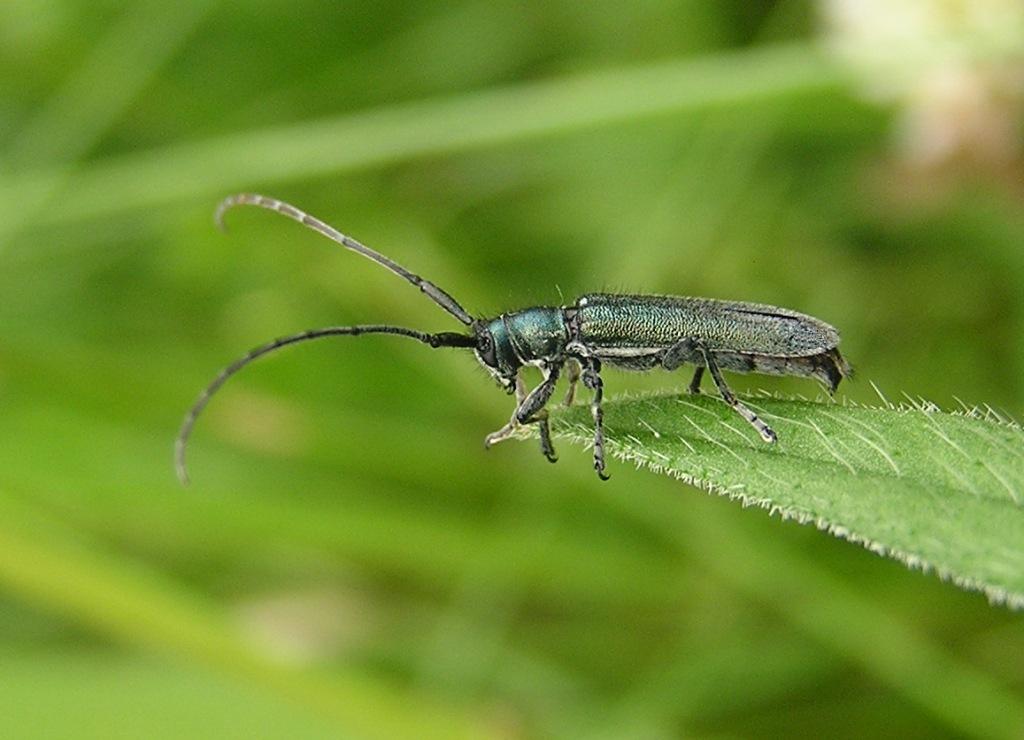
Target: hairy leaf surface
[937,490]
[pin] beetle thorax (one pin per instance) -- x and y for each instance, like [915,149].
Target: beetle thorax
[524,337]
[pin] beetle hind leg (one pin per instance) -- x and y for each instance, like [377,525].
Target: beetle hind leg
[694,388]
[766,432]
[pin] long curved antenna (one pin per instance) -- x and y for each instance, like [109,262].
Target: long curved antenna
[436,294]
[443,339]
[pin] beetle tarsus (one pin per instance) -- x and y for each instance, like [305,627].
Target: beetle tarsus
[546,447]
[499,436]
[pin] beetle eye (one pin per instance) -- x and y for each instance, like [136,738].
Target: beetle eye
[486,349]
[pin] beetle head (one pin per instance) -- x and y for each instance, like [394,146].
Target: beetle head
[495,352]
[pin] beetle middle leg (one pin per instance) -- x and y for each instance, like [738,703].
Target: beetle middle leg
[592,380]
[685,350]
[530,410]
[573,375]
[694,387]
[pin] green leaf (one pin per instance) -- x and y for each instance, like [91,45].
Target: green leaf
[938,491]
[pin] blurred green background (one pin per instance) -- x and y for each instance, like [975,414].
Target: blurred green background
[348,560]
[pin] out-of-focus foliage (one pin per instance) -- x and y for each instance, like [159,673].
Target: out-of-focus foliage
[348,559]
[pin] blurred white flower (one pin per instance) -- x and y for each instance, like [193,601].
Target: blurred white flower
[955,68]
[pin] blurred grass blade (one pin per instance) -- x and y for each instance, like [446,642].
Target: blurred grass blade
[121,63]
[937,491]
[94,97]
[51,567]
[404,131]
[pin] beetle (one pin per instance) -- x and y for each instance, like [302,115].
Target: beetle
[635,332]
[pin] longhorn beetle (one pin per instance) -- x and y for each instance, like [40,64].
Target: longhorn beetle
[636,332]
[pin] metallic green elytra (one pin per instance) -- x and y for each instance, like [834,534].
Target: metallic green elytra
[635,332]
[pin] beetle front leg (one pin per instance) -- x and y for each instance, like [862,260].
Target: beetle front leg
[509,429]
[540,415]
[592,380]
[530,410]
[766,432]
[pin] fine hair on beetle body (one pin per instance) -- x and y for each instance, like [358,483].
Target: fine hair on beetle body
[633,332]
